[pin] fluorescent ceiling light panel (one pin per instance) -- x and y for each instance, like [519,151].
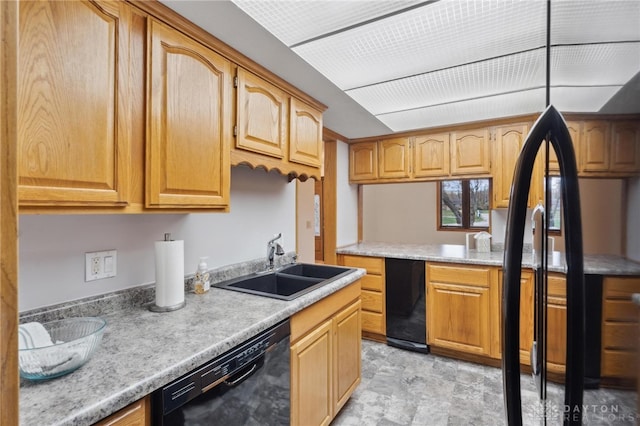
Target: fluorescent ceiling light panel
[416,64]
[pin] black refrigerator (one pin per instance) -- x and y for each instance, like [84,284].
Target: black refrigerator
[550,132]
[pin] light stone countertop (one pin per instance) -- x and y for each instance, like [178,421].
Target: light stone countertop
[593,264]
[142,351]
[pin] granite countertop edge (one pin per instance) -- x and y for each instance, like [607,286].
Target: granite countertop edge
[451,253]
[122,370]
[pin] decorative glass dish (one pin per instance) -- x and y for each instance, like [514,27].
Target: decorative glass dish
[72,342]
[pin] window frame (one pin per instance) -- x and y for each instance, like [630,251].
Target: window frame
[466,202]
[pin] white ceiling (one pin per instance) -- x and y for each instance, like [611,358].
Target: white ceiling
[389,66]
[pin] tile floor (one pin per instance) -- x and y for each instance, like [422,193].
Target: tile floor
[405,388]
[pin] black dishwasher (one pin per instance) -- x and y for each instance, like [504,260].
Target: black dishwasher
[247,385]
[406,304]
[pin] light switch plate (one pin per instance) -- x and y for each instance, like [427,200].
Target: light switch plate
[100,265]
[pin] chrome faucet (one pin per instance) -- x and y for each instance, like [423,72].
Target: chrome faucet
[273,249]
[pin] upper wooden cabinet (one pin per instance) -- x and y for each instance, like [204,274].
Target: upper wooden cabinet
[506,150]
[625,147]
[609,148]
[470,153]
[73,111]
[431,155]
[575,131]
[189,122]
[363,161]
[305,134]
[394,158]
[275,130]
[262,112]
[594,150]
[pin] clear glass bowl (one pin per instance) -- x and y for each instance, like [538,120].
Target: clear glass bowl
[75,340]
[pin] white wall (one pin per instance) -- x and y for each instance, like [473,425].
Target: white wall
[633,219]
[346,199]
[407,212]
[52,247]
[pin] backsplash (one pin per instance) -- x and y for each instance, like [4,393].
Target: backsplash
[141,295]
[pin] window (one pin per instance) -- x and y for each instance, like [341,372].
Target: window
[555,212]
[464,204]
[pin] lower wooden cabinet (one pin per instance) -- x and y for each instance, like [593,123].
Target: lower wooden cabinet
[374,319]
[460,308]
[135,414]
[325,357]
[619,328]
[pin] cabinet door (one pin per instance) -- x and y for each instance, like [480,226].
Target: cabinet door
[575,131]
[73,103]
[311,377]
[527,287]
[506,150]
[305,140]
[363,161]
[594,151]
[347,353]
[470,154]
[556,323]
[625,147]
[458,308]
[431,155]
[262,116]
[189,120]
[394,158]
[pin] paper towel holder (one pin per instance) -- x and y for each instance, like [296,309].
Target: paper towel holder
[154,307]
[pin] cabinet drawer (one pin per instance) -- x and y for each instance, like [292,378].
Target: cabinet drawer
[459,275]
[373,265]
[372,301]
[621,287]
[372,282]
[619,310]
[617,363]
[557,286]
[620,336]
[373,322]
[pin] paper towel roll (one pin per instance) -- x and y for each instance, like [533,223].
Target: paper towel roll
[169,273]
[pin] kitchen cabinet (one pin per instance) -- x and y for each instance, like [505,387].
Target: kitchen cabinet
[575,131]
[73,104]
[527,288]
[431,156]
[363,161]
[594,150]
[506,150]
[625,147]
[325,357]
[470,152]
[460,307]
[135,414]
[189,122]
[275,130]
[374,319]
[305,140]
[556,322]
[619,328]
[262,111]
[394,157]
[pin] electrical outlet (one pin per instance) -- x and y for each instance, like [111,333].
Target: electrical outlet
[100,265]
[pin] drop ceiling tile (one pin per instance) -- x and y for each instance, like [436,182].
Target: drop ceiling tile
[510,104]
[296,21]
[582,99]
[437,36]
[502,75]
[574,21]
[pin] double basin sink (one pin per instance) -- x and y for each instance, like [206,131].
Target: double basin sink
[287,283]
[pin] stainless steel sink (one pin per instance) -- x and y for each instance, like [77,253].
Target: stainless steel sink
[287,283]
